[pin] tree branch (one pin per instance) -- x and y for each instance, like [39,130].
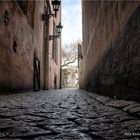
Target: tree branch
[69,62]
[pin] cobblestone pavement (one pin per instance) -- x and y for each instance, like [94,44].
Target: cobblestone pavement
[68,114]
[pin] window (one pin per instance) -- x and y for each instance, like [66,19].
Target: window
[54,46]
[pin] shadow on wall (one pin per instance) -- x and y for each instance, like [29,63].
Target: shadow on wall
[118,72]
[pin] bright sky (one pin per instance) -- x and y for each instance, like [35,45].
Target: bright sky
[71,21]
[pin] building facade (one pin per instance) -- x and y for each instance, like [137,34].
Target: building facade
[29,59]
[111,52]
[69,77]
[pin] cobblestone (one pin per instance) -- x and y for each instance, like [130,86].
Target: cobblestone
[130,107]
[68,114]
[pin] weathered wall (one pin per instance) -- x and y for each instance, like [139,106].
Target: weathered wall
[54,64]
[16,71]
[39,38]
[111,48]
[24,37]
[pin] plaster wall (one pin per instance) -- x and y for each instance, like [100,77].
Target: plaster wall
[16,70]
[39,38]
[107,58]
[54,65]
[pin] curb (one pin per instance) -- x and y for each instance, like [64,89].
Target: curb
[131,107]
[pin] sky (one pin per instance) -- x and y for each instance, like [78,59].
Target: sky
[71,21]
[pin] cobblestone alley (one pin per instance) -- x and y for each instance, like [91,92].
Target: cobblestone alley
[68,114]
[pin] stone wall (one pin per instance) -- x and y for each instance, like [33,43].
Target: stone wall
[16,48]
[54,62]
[39,38]
[23,36]
[111,48]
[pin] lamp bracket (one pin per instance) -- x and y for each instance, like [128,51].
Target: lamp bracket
[46,16]
[52,37]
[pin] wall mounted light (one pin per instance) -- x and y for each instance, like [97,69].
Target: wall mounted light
[56,4]
[47,15]
[59,29]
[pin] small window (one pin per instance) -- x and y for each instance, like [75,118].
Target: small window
[14,46]
[54,47]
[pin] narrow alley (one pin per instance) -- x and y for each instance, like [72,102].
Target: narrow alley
[69,114]
[91,48]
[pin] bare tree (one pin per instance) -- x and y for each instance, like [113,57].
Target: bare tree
[70,53]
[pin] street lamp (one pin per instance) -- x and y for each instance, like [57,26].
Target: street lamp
[59,29]
[56,4]
[47,15]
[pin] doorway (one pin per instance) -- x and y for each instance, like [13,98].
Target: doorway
[36,75]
